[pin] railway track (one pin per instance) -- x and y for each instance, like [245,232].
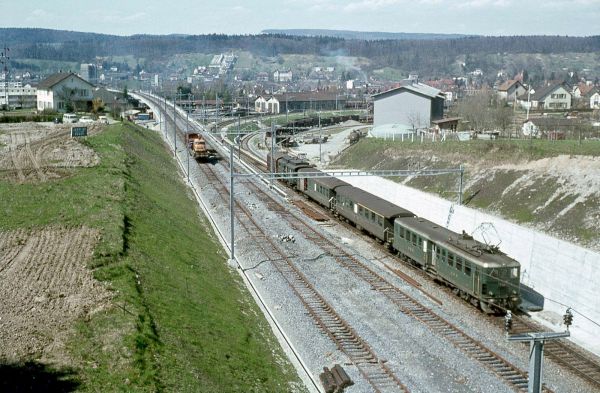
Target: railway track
[497,364]
[563,353]
[380,377]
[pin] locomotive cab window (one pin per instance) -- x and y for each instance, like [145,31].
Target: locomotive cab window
[514,272]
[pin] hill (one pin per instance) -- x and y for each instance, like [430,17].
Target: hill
[363,35]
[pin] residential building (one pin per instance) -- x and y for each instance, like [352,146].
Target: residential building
[510,90]
[552,97]
[282,76]
[414,104]
[64,92]
[594,96]
[19,96]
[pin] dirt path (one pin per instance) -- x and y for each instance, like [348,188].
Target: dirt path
[44,286]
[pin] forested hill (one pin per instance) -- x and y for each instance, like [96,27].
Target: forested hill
[428,56]
[363,35]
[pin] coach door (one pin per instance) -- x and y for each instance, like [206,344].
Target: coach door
[476,281]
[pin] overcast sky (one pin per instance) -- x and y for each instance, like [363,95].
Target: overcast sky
[487,17]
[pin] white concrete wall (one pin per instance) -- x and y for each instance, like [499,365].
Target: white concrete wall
[567,275]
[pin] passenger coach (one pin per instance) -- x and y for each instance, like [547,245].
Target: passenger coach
[321,189]
[368,212]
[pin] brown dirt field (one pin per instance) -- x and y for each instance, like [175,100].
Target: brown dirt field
[45,286]
[37,152]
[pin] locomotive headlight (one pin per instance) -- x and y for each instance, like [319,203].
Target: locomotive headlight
[491,293]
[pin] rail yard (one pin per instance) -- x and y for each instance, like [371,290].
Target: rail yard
[337,297]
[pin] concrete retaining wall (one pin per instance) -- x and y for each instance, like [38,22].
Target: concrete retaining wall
[566,275]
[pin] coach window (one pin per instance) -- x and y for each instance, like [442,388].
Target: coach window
[445,255]
[380,221]
[450,259]
[468,268]
[360,210]
[401,230]
[459,263]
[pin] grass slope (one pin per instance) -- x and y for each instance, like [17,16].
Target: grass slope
[180,320]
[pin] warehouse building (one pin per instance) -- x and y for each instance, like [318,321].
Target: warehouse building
[413,104]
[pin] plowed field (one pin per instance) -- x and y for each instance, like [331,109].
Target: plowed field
[44,286]
[37,152]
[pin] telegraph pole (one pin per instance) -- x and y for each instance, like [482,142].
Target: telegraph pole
[166,121]
[320,139]
[187,131]
[4,60]
[175,125]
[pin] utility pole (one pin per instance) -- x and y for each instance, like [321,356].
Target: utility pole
[4,60]
[460,187]
[320,139]
[272,153]
[231,209]
[166,121]
[239,139]
[175,125]
[187,132]
[536,348]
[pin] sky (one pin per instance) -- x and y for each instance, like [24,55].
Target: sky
[485,17]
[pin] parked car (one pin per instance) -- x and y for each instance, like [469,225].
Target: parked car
[69,118]
[86,119]
[103,119]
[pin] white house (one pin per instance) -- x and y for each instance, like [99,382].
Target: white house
[510,90]
[551,97]
[64,91]
[595,98]
[282,76]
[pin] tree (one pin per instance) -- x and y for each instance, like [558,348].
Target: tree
[184,90]
[97,106]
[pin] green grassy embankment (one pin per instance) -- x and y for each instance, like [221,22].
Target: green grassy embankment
[179,320]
